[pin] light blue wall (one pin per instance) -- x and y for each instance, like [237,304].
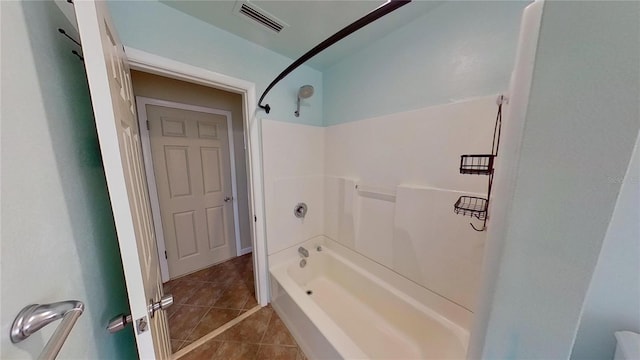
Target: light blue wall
[58,237]
[581,125]
[459,50]
[613,299]
[158,29]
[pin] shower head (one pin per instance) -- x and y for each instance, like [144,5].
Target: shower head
[305,92]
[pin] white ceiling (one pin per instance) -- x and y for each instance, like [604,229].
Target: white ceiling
[310,22]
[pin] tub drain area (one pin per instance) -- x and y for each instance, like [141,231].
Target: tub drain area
[309,292]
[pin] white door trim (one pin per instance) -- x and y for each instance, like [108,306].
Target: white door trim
[143,61]
[141,102]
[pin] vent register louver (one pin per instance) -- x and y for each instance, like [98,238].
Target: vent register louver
[253,13]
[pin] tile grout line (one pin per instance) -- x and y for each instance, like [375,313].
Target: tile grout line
[196,325]
[267,329]
[218,350]
[276,344]
[245,302]
[178,341]
[182,352]
[257,343]
[265,332]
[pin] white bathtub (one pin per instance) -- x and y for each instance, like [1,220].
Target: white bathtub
[336,308]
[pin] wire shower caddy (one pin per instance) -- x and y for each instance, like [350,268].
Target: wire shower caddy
[480,164]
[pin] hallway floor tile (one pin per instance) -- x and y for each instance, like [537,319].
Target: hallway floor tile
[261,336]
[209,298]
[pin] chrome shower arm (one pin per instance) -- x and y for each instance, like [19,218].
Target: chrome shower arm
[297,113]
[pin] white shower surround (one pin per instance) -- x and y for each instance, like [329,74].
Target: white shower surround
[411,233]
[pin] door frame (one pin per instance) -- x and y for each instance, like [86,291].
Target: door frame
[141,103]
[158,65]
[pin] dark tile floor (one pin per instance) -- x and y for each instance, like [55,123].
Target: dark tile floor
[209,298]
[261,336]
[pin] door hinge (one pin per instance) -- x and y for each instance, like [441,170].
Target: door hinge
[255,218]
[148,125]
[165,254]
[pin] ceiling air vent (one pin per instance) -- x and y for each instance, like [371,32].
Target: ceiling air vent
[250,11]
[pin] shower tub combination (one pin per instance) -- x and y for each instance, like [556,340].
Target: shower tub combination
[341,305]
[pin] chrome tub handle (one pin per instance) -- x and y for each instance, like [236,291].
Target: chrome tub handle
[34,317]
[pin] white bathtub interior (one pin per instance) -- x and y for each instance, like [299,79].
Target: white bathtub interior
[343,299]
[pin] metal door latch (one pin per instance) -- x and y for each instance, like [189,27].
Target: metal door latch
[163,304]
[119,322]
[142,325]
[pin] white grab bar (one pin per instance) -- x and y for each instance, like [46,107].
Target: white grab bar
[376,192]
[34,317]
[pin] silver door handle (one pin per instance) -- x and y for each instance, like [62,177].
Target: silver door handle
[163,304]
[119,322]
[227,199]
[34,317]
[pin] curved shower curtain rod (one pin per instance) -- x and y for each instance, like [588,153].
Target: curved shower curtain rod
[374,15]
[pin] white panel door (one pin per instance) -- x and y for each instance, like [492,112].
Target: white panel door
[114,110]
[190,151]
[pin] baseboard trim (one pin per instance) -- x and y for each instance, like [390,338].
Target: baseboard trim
[246,251]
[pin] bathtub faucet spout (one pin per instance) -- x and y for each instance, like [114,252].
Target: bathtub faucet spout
[303,252]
